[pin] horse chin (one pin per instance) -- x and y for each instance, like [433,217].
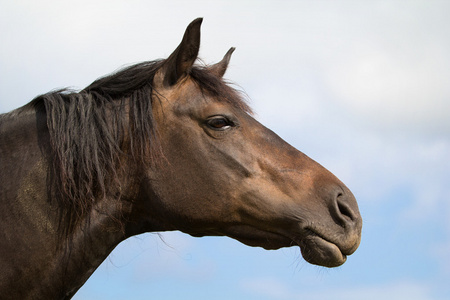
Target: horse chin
[319,251]
[254,237]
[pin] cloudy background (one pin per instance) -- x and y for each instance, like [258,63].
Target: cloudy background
[360,86]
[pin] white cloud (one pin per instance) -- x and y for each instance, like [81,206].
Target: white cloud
[399,80]
[397,89]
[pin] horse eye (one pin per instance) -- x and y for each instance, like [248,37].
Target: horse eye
[219,123]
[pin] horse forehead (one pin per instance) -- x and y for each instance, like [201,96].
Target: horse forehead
[188,98]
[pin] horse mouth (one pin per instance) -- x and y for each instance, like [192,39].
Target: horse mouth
[314,246]
[318,250]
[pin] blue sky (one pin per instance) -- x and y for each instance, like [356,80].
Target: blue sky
[360,86]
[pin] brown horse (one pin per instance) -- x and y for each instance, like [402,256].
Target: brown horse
[161,145]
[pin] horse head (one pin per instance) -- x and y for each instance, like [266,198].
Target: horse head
[223,173]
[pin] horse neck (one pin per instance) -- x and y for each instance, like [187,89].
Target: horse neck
[38,256]
[89,245]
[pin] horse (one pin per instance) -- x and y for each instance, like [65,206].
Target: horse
[157,146]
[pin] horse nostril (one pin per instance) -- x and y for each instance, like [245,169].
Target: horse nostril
[345,210]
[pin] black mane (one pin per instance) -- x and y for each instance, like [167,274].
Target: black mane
[92,129]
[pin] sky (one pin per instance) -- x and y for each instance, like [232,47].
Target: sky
[360,86]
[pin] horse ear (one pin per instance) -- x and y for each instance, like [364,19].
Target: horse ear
[181,60]
[220,68]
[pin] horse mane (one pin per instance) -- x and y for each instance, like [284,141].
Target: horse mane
[92,129]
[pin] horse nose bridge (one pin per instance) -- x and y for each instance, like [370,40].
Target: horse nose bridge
[296,173]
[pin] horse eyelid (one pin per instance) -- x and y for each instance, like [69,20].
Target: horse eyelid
[227,123]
